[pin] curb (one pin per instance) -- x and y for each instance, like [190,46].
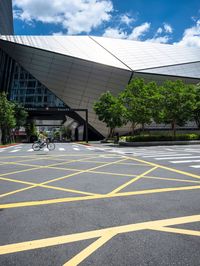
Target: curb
[158,143]
[8,145]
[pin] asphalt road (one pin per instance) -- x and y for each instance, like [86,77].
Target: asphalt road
[100,205]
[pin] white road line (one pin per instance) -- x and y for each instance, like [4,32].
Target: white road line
[15,150]
[61,149]
[76,149]
[182,157]
[30,150]
[195,166]
[166,155]
[186,161]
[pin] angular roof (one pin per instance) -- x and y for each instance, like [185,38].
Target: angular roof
[82,47]
[142,55]
[191,70]
[124,54]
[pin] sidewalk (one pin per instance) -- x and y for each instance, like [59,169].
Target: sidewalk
[8,145]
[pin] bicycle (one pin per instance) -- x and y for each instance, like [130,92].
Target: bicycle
[37,145]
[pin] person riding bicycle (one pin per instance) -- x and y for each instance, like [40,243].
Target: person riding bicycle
[41,138]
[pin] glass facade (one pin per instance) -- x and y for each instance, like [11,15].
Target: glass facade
[28,91]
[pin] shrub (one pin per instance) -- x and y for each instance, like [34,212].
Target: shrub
[160,137]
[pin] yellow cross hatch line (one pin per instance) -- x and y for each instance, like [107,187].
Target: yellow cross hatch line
[132,180]
[165,167]
[102,236]
[106,196]
[60,178]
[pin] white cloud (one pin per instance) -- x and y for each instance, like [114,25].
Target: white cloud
[163,39]
[74,15]
[159,30]
[191,36]
[58,33]
[115,33]
[136,33]
[167,28]
[139,31]
[126,19]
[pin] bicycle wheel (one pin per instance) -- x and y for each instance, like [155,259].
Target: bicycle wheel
[51,146]
[36,146]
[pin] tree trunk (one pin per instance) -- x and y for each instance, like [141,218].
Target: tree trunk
[133,128]
[111,133]
[4,135]
[143,128]
[0,136]
[174,128]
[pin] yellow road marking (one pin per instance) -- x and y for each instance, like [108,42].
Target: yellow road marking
[132,181]
[89,250]
[172,179]
[135,164]
[49,155]
[40,167]
[20,171]
[16,191]
[27,160]
[40,185]
[53,241]
[106,196]
[165,167]
[128,175]
[59,178]
[176,231]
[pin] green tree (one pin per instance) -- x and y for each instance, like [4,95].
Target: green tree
[196,111]
[138,99]
[66,132]
[7,118]
[110,110]
[177,103]
[20,116]
[31,130]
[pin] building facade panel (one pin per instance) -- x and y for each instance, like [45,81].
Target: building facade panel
[6,17]
[190,70]
[71,87]
[73,46]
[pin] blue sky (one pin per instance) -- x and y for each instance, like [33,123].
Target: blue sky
[162,21]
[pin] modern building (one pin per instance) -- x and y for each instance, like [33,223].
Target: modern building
[52,74]
[6,17]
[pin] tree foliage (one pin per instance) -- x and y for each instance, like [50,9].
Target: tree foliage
[174,102]
[196,111]
[138,99]
[20,115]
[110,111]
[177,103]
[31,130]
[7,118]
